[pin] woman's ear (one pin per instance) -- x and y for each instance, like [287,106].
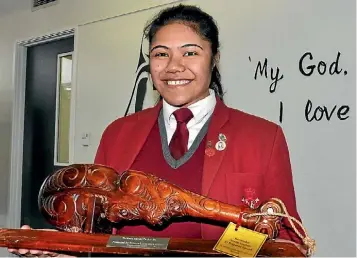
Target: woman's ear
[216,59]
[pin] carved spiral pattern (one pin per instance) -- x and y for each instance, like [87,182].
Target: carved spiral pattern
[132,184]
[175,205]
[118,212]
[154,205]
[79,176]
[69,212]
[155,213]
[269,224]
[270,206]
[64,207]
[62,200]
[210,205]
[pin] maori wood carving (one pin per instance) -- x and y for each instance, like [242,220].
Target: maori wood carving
[89,198]
[82,199]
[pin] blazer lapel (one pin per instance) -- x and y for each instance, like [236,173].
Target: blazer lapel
[212,163]
[135,134]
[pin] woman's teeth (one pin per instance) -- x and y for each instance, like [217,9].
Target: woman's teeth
[178,82]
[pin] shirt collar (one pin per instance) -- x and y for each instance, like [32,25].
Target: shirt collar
[199,109]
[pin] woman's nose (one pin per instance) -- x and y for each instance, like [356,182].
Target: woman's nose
[175,65]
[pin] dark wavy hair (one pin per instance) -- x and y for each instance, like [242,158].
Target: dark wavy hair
[199,21]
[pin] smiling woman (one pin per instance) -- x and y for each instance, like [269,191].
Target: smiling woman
[191,138]
[184,50]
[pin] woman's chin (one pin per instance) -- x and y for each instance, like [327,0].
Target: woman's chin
[177,102]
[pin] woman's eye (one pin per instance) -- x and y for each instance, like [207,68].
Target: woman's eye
[190,53]
[161,55]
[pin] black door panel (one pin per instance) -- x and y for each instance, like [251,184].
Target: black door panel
[39,124]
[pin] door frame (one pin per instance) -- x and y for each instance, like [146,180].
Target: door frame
[55,162]
[13,219]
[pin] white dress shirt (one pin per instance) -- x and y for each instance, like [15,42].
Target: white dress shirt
[201,110]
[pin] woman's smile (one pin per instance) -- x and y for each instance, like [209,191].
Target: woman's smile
[178,82]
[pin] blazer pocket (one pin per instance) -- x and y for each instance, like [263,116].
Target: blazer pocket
[244,188]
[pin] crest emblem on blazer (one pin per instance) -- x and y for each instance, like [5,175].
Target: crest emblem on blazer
[250,198]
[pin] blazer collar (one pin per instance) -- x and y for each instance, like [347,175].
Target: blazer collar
[217,126]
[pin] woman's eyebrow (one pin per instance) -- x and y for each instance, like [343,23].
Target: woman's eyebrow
[159,46]
[183,46]
[192,45]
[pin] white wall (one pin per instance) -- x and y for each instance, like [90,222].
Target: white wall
[27,24]
[322,153]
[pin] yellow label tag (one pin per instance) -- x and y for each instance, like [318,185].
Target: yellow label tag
[241,243]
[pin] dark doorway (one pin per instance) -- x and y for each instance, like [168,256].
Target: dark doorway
[40,125]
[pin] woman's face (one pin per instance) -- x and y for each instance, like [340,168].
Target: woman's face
[180,64]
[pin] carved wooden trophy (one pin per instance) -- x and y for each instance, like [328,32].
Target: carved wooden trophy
[84,202]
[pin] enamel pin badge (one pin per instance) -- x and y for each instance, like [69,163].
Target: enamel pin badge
[209,149]
[220,145]
[222,142]
[222,137]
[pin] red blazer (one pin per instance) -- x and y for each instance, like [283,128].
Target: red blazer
[254,164]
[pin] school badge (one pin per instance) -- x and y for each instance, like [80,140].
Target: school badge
[250,198]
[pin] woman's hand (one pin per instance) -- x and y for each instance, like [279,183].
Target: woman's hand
[34,252]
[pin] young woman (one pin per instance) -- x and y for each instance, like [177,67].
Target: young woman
[191,138]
